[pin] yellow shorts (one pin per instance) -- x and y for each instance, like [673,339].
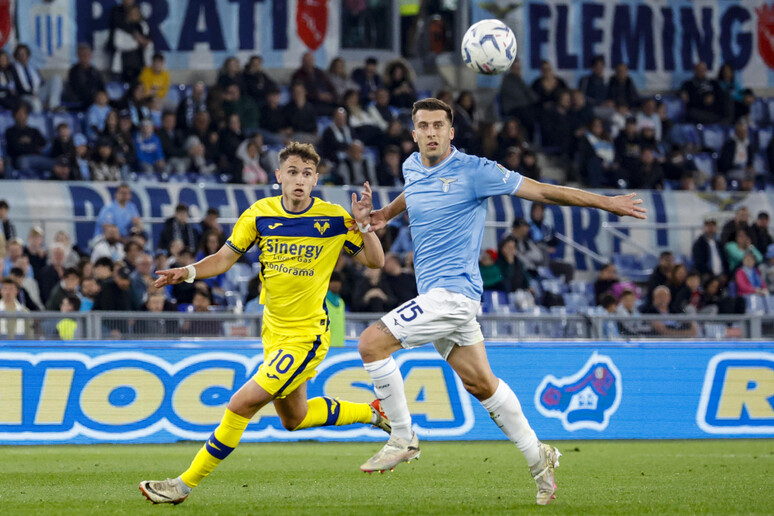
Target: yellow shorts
[289,361]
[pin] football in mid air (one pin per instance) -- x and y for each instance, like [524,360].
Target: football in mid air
[489,47]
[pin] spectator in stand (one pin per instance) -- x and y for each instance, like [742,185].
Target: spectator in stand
[192,104]
[31,86]
[749,280]
[155,77]
[63,170]
[364,127]
[380,109]
[132,250]
[368,80]
[628,150]
[491,276]
[25,144]
[130,39]
[607,277]
[676,281]
[741,220]
[397,282]
[90,289]
[207,136]
[123,139]
[12,327]
[354,169]
[178,228]
[141,279]
[62,145]
[35,249]
[114,296]
[627,310]
[230,73]
[517,98]
[230,140]
[593,86]
[368,294]
[649,175]
[666,261]
[150,156]
[103,269]
[759,232]
[389,171]
[257,82]
[251,172]
[243,106]
[172,142]
[25,297]
[80,161]
[14,250]
[548,86]
[137,102]
[336,138]
[83,80]
[156,326]
[262,161]
[730,93]
[737,248]
[197,160]
[700,95]
[400,137]
[301,116]
[202,327]
[737,154]
[618,119]
[649,118]
[49,276]
[398,82]
[272,123]
[320,91]
[579,116]
[596,156]
[465,119]
[706,253]
[662,299]
[767,268]
[511,135]
[337,73]
[122,212]
[9,98]
[648,140]
[69,284]
[529,165]
[621,88]
[514,274]
[511,159]
[108,244]
[210,222]
[555,129]
[608,305]
[528,251]
[9,230]
[103,165]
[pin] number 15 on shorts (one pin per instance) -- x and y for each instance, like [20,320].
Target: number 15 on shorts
[410,310]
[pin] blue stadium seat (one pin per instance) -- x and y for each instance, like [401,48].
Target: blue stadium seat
[495,301]
[322,124]
[575,302]
[185,307]
[634,267]
[6,121]
[705,163]
[284,95]
[770,304]
[674,107]
[555,286]
[755,304]
[759,112]
[770,108]
[684,134]
[760,164]
[74,120]
[764,137]
[115,90]
[714,136]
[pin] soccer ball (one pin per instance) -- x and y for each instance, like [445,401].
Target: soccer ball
[489,47]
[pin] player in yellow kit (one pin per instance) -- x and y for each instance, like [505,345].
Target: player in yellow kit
[300,238]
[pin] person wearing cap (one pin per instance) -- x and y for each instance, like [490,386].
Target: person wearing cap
[706,253]
[177,227]
[69,284]
[150,157]
[759,232]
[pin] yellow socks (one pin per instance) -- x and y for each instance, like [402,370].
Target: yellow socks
[222,442]
[326,411]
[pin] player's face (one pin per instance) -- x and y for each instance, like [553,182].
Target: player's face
[433,134]
[297,178]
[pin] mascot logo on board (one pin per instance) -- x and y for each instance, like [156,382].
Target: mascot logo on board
[766,33]
[585,400]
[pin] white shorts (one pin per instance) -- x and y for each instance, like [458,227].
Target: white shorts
[440,316]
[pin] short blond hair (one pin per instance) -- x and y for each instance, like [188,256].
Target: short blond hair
[305,151]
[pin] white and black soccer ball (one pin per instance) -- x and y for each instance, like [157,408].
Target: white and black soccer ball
[489,47]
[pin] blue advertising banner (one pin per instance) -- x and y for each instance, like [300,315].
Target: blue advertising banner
[33,202]
[660,40]
[165,392]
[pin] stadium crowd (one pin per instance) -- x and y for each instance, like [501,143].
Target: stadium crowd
[129,123]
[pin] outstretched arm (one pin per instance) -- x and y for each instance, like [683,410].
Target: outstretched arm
[380,218]
[207,267]
[621,205]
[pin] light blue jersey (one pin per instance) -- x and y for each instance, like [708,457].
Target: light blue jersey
[447,208]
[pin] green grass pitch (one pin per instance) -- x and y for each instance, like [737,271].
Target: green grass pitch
[595,477]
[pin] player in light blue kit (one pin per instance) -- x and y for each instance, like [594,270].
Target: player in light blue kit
[446,194]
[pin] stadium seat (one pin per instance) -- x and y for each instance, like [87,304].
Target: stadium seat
[40,122]
[284,95]
[555,286]
[685,134]
[770,109]
[770,304]
[115,90]
[6,121]
[714,136]
[759,112]
[760,164]
[237,278]
[634,267]
[322,124]
[764,137]
[714,331]
[674,107]
[755,304]
[495,301]
[705,163]
[575,302]
[73,120]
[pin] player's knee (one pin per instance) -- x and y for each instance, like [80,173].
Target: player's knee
[368,345]
[291,423]
[480,388]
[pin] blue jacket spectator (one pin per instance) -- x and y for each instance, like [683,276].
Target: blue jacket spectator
[150,157]
[121,212]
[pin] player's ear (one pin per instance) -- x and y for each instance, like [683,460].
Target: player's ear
[451,134]
[414,135]
[278,175]
[316,177]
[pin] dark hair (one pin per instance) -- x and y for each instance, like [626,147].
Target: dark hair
[607,300]
[305,151]
[181,207]
[71,271]
[431,104]
[17,271]
[9,281]
[4,204]
[371,60]
[74,300]
[213,211]
[158,56]
[104,262]
[131,243]
[595,60]
[336,276]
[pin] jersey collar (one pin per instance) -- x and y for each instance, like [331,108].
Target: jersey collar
[296,212]
[439,164]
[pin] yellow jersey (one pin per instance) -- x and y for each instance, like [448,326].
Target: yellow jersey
[298,253]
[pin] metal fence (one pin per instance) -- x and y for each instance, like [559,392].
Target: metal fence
[520,326]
